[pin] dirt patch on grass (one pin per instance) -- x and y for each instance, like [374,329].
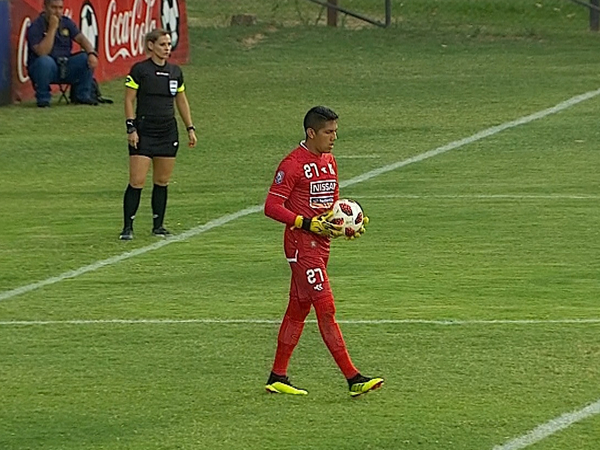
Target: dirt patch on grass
[253,41]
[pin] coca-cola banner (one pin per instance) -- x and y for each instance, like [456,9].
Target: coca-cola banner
[115,27]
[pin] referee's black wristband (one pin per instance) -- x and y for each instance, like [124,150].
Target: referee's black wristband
[130,124]
[306,224]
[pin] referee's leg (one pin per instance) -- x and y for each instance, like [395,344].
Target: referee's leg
[161,174]
[138,168]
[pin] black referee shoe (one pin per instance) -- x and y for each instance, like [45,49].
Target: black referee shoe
[161,232]
[126,234]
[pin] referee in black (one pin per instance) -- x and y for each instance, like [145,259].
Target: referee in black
[152,133]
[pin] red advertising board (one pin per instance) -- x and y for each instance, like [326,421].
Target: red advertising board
[116,27]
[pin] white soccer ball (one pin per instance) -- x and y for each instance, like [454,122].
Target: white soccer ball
[169,17]
[89,24]
[349,214]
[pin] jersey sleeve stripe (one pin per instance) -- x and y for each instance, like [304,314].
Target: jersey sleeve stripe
[278,195]
[131,84]
[181,88]
[294,259]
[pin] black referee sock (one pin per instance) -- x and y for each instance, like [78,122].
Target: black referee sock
[131,202]
[159,205]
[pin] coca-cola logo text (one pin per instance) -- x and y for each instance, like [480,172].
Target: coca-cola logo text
[124,31]
[22,52]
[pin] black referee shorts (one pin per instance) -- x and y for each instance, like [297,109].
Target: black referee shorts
[158,137]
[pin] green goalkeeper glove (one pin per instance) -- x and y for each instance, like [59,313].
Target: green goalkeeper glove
[320,225]
[361,231]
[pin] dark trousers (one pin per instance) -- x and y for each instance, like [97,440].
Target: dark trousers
[45,71]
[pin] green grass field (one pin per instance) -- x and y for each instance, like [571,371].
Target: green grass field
[474,291]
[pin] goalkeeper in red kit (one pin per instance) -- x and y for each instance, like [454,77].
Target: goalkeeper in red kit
[301,196]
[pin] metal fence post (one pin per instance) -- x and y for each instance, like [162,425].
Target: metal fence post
[332,14]
[333,9]
[388,12]
[594,15]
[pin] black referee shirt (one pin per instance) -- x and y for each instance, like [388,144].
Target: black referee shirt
[156,88]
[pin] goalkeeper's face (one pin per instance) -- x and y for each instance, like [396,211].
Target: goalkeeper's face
[324,139]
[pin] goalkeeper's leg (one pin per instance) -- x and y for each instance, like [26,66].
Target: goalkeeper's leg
[330,330]
[332,335]
[290,332]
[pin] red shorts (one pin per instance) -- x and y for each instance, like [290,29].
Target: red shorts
[307,255]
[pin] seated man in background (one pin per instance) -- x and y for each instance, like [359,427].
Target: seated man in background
[50,41]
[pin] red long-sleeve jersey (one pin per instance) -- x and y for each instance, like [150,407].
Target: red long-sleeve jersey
[305,184]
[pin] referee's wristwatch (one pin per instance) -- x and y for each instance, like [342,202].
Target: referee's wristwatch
[130,124]
[191,128]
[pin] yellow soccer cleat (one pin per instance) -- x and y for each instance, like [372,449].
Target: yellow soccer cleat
[281,385]
[361,385]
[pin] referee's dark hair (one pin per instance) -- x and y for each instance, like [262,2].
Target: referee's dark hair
[154,35]
[317,117]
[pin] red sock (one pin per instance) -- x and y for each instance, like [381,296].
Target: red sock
[332,335]
[289,334]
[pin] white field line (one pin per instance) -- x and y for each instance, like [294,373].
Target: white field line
[357,156]
[485,196]
[551,427]
[278,321]
[535,435]
[252,209]
[476,137]
[123,256]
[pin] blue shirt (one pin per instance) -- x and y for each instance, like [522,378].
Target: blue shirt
[63,41]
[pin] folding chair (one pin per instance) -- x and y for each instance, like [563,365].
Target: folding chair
[64,89]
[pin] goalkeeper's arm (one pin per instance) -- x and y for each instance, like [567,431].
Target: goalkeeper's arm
[320,224]
[275,210]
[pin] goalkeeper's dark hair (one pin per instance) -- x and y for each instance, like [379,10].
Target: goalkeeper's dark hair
[317,117]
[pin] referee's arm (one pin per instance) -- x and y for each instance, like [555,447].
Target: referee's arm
[130,96]
[183,107]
